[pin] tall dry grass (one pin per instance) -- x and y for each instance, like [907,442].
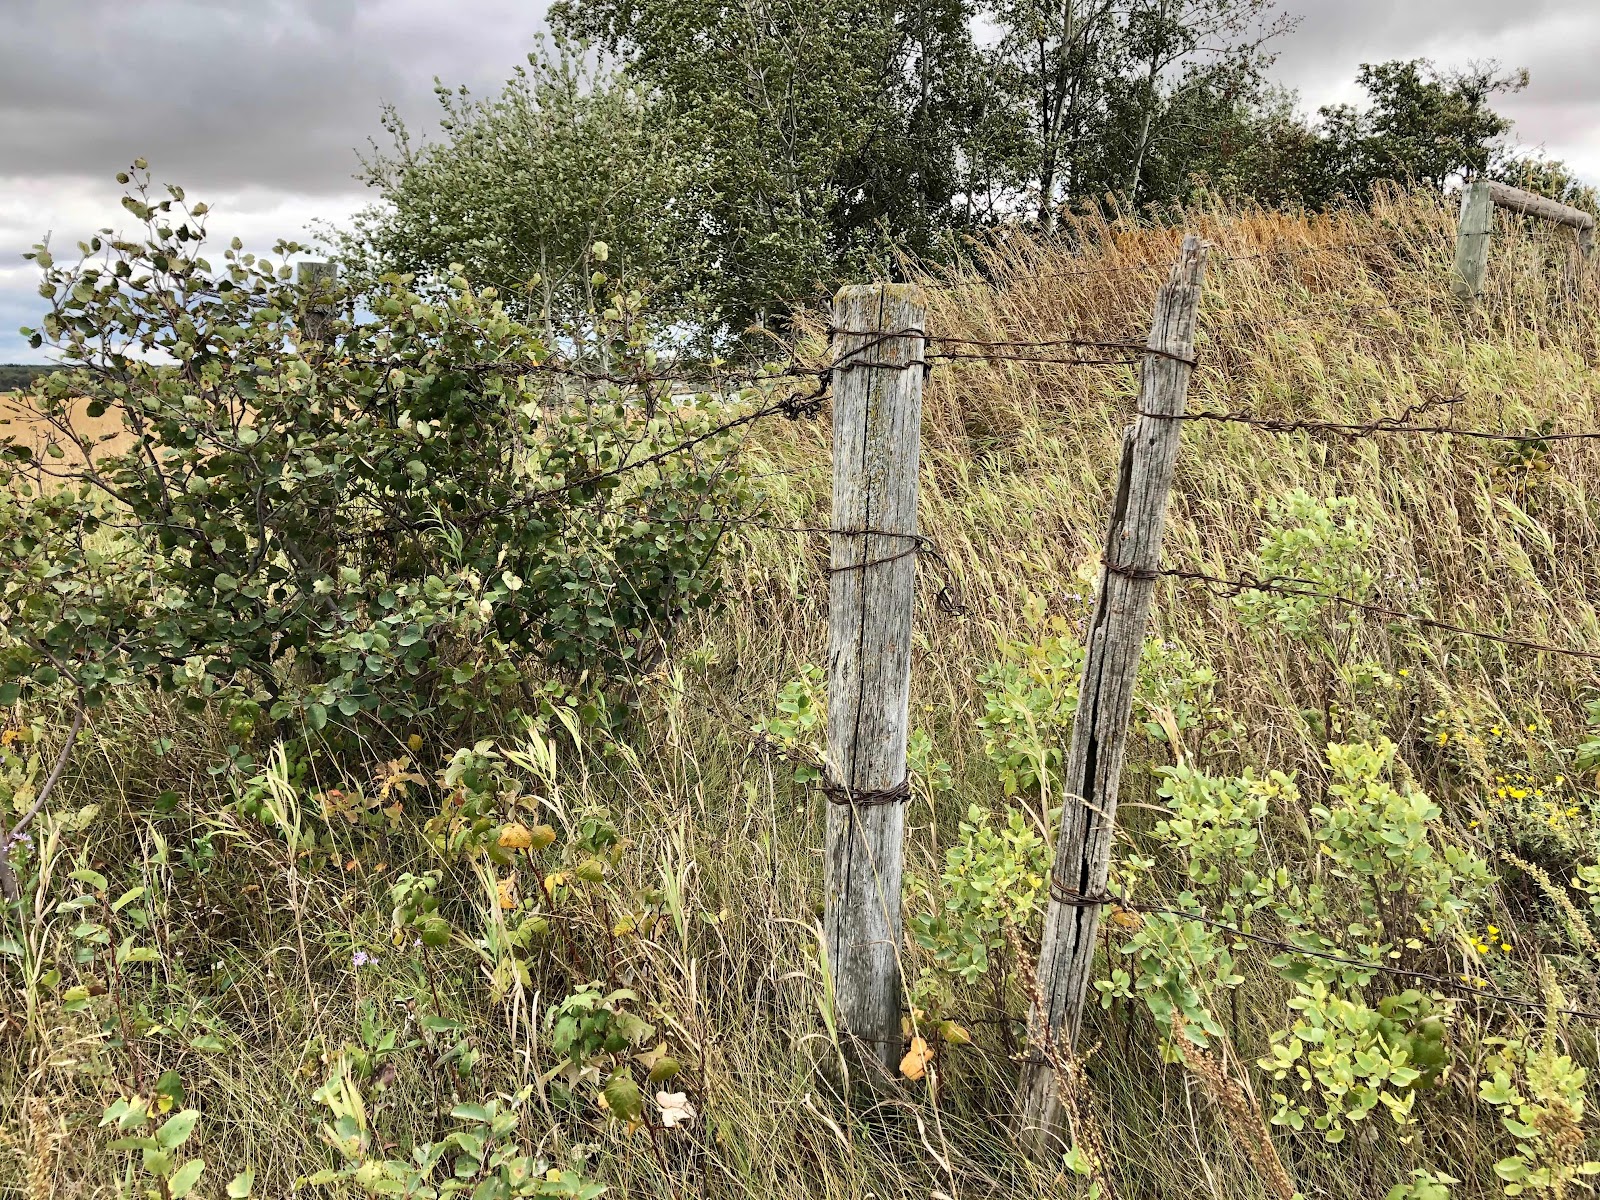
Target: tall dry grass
[1344,317]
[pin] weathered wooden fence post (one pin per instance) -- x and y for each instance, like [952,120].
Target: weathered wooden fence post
[877,419]
[1472,241]
[1105,702]
[320,279]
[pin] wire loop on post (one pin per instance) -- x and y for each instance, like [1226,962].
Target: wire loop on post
[1071,897]
[838,793]
[947,599]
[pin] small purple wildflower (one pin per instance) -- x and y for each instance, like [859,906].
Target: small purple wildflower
[361,959]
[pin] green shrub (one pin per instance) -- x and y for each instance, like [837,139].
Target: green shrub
[344,526]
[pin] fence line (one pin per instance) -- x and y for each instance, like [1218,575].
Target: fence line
[876,387]
[1288,585]
[1379,426]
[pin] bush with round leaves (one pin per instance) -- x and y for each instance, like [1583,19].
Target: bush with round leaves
[347,525]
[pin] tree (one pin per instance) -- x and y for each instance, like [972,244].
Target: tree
[522,186]
[1100,89]
[1198,60]
[826,134]
[1423,127]
[354,528]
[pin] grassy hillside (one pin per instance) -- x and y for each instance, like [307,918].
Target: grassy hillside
[280,972]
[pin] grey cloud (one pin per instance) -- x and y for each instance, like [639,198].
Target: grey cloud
[229,92]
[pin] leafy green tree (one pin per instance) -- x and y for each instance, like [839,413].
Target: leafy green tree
[1193,62]
[1243,147]
[1105,93]
[1423,127]
[19,375]
[827,135]
[521,186]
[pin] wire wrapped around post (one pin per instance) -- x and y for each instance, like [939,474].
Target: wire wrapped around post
[1093,766]
[874,545]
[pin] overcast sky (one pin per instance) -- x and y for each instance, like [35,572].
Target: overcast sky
[258,106]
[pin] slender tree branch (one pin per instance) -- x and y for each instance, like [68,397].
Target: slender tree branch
[8,838]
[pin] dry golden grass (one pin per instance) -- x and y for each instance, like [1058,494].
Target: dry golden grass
[18,421]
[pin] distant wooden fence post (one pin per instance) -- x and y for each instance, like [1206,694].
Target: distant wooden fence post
[1478,202]
[318,278]
[1472,240]
[1105,702]
[877,419]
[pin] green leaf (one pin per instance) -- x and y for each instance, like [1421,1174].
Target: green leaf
[185,1177]
[623,1098]
[93,878]
[175,1131]
[240,1185]
[170,1085]
[1511,1169]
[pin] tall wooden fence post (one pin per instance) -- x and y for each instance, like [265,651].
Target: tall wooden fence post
[877,419]
[1472,241]
[1105,703]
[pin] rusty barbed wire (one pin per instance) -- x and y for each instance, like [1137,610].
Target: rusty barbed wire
[947,599]
[1004,350]
[1230,586]
[1402,422]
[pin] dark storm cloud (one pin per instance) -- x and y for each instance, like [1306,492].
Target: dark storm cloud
[279,93]
[229,92]
[256,106]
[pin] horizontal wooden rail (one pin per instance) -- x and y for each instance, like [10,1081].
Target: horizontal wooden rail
[1530,205]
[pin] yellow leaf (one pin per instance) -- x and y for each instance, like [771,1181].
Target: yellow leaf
[506,889]
[1124,919]
[515,836]
[955,1034]
[915,1064]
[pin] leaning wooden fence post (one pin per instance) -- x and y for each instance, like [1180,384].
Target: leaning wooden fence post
[1105,703]
[1472,241]
[877,419]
